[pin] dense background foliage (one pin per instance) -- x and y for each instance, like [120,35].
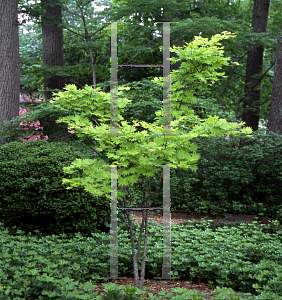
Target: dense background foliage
[206,18]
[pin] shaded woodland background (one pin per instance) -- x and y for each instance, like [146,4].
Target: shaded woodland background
[69,43]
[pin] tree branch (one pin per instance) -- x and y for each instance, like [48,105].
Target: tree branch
[144,46]
[238,103]
[226,83]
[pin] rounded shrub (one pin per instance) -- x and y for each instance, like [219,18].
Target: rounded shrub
[33,197]
[238,174]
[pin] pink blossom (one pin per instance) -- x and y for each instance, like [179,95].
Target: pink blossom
[31,124]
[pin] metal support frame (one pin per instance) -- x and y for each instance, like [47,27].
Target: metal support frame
[166,269]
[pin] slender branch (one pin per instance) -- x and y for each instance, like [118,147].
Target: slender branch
[144,46]
[73,31]
[219,99]
[109,79]
[73,13]
[226,83]
[182,98]
[265,101]
[98,30]
[238,103]
[89,1]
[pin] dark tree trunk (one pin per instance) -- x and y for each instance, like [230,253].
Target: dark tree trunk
[9,63]
[52,42]
[251,104]
[275,112]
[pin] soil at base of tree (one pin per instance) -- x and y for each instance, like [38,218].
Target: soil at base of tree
[178,217]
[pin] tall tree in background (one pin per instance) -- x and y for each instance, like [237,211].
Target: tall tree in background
[53,56]
[254,67]
[275,113]
[84,15]
[9,62]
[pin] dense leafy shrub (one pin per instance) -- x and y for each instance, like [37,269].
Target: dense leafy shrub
[33,197]
[242,168]
[239,174]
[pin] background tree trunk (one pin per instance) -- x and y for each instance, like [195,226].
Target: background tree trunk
[52,42]
[275,112]
[251,104]
[9,62]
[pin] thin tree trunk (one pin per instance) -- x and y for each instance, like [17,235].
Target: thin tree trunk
[251,104]
[52,42]
[9,63]
[93,58]
[275,112]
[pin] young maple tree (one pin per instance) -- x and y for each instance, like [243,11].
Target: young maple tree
[139,152]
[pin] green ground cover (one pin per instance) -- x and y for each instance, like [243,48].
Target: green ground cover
[245,258]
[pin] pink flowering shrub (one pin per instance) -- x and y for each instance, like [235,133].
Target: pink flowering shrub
[32,124]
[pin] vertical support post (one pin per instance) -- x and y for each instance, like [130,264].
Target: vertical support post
[114,83]
[113,228]
[166,79]
[166,269]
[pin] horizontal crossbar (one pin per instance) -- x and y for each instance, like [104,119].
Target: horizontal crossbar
[136,208]
[140,66]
